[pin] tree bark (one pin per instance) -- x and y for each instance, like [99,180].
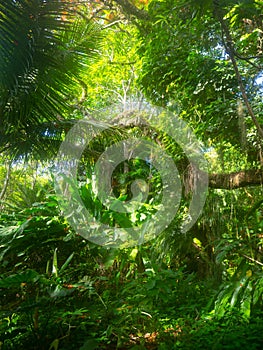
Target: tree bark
[227,181]
[244,178]
[6,181]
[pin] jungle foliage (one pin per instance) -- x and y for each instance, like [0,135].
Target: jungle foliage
[62,61]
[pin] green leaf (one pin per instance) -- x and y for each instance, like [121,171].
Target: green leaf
[54,345]
[55,263]
[239,288]
[246,301]
[258,292]
[13,281]
[66,263]
[90,344]
[59,292]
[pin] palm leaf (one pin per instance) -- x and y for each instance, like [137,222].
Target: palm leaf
[44,48]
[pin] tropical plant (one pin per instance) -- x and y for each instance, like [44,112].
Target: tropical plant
[45,46]
[201,60]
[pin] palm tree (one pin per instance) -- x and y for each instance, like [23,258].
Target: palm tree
[44,47]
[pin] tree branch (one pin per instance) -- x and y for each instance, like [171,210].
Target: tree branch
[131,10]
[244,178]
[247,59]
[227,181]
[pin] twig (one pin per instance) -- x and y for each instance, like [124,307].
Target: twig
[251,259]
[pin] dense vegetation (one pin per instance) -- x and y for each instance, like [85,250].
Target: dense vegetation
[110,62]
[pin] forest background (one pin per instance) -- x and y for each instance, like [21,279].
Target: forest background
[201,62]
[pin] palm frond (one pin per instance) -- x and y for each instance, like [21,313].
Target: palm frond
[44,47]
[42,141]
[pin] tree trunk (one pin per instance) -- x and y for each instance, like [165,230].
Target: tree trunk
[229,46]
[6,182]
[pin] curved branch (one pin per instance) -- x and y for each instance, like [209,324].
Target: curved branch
[227,181]
[244,178]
